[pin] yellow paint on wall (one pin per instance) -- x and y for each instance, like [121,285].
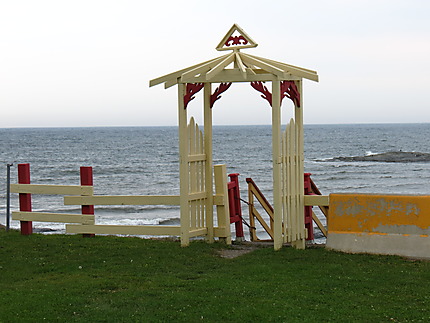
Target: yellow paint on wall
[405,214]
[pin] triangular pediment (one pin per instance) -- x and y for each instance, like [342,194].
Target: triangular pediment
[236,38]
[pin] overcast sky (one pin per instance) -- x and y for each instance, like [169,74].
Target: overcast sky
[89,63]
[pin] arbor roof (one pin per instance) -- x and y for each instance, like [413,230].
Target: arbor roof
[236,66]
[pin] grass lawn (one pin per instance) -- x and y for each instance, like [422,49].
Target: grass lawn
[113,279]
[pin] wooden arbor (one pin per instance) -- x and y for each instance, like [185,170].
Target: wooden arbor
[287,149]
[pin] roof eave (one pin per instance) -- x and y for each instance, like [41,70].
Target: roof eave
[248,68]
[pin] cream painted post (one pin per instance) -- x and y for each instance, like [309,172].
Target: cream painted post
[183,167]
[222,209]
[291,181]
[208,165]
[300,216]
[276,155]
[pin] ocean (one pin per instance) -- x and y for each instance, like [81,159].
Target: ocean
[144,161]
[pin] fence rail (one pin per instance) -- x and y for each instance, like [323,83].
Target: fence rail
[51,189]
[125,229]
[123,200]
[196,199]
[26,216]
[53,217]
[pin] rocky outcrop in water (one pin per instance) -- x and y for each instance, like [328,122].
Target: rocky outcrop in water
[389,157]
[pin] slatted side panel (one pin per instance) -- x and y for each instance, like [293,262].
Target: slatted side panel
[196,167]
[293,221]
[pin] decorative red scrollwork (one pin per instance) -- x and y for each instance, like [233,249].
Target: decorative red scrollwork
[288,90]
[236,40]
[218,91]
[258,85]
[190,90]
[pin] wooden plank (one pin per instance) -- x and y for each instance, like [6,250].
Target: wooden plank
[317,200]
[52,217]
[291,175]
[264,65]
[284,186]
[196,157]
[177,74]
[263,202]
[324,210]
[125,229]
[223,211]
[240,65]
[208,171]
[122,200]
[276,154]
[235,76]
[224,63]
[198,232]
[183,167]
[201,69]
[220,232]
[298,115]
[201,221]
[319,224]
[288,175]
[192,129]
[260,219]
[249,70]
[218,199]
[197,196]
[314,188]
[51,189]
[290,69]
[171,83]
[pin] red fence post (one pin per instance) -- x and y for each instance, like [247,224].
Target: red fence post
[234,204]
[87,180]
[25,198]
[308,209]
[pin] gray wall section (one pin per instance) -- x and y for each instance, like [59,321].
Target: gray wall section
[415,246]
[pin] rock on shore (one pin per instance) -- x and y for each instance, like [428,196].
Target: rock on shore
[390,157]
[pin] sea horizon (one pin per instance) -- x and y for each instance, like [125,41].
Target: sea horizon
[216,125]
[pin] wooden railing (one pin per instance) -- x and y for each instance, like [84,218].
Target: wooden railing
[85,223]
[26,216]
[193,228]
[255,195]
[322,202]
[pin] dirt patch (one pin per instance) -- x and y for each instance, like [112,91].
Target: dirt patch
[237,250]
